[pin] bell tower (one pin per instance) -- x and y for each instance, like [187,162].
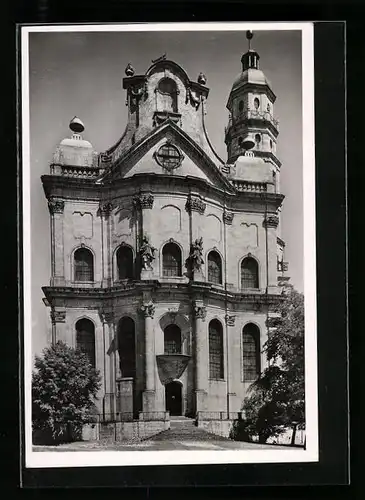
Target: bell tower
[251,124]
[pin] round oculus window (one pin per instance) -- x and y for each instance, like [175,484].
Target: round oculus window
[169,157]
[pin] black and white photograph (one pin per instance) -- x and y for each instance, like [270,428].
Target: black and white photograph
[168,191]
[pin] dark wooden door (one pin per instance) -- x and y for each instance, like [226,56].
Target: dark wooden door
[173,398]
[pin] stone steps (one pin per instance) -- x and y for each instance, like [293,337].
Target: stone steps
[184,429]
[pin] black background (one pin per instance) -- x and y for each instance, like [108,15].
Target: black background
[331,179]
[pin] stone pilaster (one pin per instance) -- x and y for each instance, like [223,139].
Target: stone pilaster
[58,320]
[271,223]
[231,395]
[201,373]
[105,210]
[147,310]
[56,209]
[143,204]
[195,207]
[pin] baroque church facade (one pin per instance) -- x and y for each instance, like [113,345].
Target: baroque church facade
[166,261]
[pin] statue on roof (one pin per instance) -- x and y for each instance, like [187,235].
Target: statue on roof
[161,58]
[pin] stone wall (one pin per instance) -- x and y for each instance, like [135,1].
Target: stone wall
[124,431]
[217,427]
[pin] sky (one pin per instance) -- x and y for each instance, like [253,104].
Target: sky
[81,74]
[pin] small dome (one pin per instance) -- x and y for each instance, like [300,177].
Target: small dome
[75,150]
[76,125]
[251,75]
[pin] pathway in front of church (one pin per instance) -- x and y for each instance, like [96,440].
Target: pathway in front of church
[183,435]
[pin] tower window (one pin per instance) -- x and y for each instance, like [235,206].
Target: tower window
[250,352]
[249,273]
[256,103]
[270,144]
[240,106]
[125,262]
[172,340]
[168,95]
[85,338]
[83,265]
[258,140]
[216,368]
[214,267]
[171,260]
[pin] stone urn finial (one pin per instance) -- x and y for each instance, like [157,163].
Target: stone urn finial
[202,79]
[129,70]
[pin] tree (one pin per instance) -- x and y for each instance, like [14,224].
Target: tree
[64,390]
[276,400]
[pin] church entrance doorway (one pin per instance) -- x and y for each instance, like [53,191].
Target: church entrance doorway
[173,397]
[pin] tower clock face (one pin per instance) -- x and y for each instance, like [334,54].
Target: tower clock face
[169,157]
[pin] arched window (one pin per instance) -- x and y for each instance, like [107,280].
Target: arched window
[256,103]
[171,260]
[127,347]
[216,368]
[84,265]
[172,339]
[167,89]
[125,262]
[240,106]
[214,267]
[249,273]
[250,352]
[258,140]
[85,338]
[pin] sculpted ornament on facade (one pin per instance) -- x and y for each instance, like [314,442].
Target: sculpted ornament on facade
[58,316]
[195,204]
[200,312]
[271,221]
[147,253]
[106,208]
[143,201]
[147,309]
[195,260]
[56,206]
[228,217]
[106,316]
[230,319]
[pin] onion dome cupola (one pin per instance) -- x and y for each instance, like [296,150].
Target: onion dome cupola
[75,151]
[251,124]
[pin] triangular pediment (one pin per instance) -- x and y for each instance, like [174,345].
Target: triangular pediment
[147,157]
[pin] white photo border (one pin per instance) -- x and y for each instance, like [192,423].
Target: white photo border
[183,457]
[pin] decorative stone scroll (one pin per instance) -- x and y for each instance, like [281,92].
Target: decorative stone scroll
[228,217]
[58,316]
[147,253]
[106,316]
[200,312]
[195,260]
[147,309]
[271,221]
[56,206]
[230,319]
[143,201]
[195,204]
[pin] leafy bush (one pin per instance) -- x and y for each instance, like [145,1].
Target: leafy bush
[64,390]
[275,402]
